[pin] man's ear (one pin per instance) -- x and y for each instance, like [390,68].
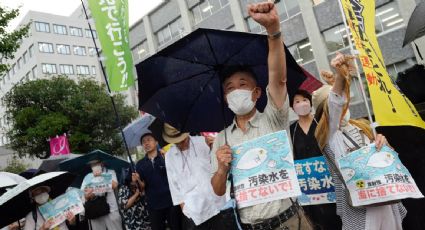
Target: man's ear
[256,94]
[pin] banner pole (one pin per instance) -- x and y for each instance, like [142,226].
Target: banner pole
[355,52]
[118,120]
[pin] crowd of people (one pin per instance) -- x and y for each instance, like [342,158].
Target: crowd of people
[189,187]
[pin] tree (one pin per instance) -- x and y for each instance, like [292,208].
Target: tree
[15,166]
[9,41]
[48,107]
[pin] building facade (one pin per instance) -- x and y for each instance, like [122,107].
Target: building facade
[313,30]
[56,45]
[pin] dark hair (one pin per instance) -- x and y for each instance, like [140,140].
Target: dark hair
[227,71]
[303,93]
[145,135]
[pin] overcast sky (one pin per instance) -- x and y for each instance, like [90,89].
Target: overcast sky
[137,8]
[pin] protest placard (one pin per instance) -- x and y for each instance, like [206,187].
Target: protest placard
[99,184]
[263,170]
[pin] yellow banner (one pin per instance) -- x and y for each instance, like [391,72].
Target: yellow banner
[391,107]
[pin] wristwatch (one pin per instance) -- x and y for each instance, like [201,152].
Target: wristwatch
[274,35]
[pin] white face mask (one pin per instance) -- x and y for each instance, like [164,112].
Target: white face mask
[41,198]
[302,108]
[240,101]
[96,169]
[346,118]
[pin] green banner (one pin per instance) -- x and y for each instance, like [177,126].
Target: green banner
[111,20]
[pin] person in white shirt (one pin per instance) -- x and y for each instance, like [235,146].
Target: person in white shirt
[111,221]
[34,220]
[188,169]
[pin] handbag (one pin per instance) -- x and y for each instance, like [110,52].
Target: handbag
[96,207]
[229,216]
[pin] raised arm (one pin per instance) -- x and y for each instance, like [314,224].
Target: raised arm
[266,15]
[341,63]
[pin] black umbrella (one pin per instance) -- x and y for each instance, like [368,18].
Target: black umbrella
[16,203]
[180,85]
[416,26]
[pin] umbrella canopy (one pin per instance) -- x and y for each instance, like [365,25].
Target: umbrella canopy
[16,203]
[51,164]
[80,167]
[181,84]
[136,129]
[416,26]
[8,179]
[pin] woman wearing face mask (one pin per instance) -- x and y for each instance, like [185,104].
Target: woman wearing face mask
[305,146]
[337,135]
[112,220]
[34,220]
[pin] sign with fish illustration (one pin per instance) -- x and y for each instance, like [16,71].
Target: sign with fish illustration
[57,209]
[315,181]
[263,170]
[99,184]
[375,177]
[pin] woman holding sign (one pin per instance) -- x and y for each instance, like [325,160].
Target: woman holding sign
[34,219]
[337,138]
[305,146]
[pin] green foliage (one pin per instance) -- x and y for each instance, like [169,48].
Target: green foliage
[9,41]
[48,107]
[15,166]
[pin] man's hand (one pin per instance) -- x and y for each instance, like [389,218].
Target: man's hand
[265,14]
[135,177]
[70,217]
[46,225]
[209,140]
[88,193]
[224,157]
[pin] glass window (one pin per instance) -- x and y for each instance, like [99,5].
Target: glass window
[31,50]
[34,72]
[63,49]
[387,17]
[75,31]
[176,28]
[59,29]
[93,70]
[25,57]
[44,47]
[83,70]
[88,33]
[172,30]
[336,38]
[42,27]
[142,50]
[48,68]
[80,50]
[92,51]
[66,69]
[207,8]
[302,52]
[19,63]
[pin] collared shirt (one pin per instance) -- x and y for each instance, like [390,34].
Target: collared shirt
[271,120]
[110,196]
[154,174]
[189,174]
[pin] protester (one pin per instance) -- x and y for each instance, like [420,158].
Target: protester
[336,137]
[328,77]
[305,146]
[111,220]
[154,181]
[189,173]
[133,204]
[241,93]
[34,220]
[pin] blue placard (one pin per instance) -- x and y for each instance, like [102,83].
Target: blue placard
[315,181]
